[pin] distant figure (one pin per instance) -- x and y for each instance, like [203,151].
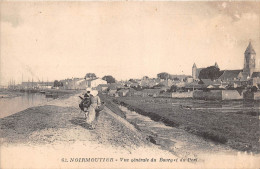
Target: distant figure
[95,103]
[85,102]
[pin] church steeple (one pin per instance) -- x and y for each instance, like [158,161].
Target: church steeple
[216,65]
[250,49]
[194,71]
[249,62]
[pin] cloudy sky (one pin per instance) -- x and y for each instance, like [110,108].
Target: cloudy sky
[57,40]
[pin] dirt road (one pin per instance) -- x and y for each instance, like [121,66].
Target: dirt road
[45,135]
[55,135]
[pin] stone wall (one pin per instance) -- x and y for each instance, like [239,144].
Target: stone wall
[217,95]
[231,95]
[182,95]
[209,95]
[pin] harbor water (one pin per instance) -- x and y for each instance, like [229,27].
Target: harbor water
[9,106]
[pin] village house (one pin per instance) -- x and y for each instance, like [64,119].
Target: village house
[81,83]
[123,92]
[180,84]
[72,83]
[93,83]
[126,83]
[231,75]
[208,83]
[112,92]
[195,86]
[36,85]
[167,82]
[151,92]
[148,83]
[113,88]
[134,85]
[102,87]
[255,79]
[189,79]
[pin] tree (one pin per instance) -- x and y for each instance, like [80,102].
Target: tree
[132,80]
[163,75]
[211,72]
[145,78]
[186,78]
[138,88]
[173,88]
[56,83]
[90,76]
[109,79]
[176,79]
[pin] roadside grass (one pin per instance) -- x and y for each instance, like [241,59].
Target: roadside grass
[237,129]
[112,106]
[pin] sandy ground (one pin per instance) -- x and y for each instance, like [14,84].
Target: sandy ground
[55,136]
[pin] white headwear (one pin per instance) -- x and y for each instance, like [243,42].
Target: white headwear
[94,92]
[88,89]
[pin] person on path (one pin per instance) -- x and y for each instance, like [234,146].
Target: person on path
[95,103]
[85,102]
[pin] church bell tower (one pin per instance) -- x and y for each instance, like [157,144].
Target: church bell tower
[249,62]
[194,71]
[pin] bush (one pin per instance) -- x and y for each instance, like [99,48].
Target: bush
[252,113]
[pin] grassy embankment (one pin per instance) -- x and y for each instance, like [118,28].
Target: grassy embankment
[112,106]
[239,130]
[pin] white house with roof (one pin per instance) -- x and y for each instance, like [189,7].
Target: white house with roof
[93,83]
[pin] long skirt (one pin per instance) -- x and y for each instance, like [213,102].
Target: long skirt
[91,116]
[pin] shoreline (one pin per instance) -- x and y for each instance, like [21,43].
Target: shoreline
[9,94]
[15,93]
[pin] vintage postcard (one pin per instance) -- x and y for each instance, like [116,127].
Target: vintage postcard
[139,84]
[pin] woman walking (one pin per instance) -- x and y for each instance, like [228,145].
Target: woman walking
[85,102]
[95,103]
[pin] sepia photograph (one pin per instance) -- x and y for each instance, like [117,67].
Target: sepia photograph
[129,84]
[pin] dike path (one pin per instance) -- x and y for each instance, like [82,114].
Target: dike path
[54,135]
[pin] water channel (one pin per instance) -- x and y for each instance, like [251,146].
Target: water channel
[9,106]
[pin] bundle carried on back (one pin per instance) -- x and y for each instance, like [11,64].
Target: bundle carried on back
[85,103]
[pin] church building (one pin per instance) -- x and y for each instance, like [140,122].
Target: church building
[196,71]
[246,73]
